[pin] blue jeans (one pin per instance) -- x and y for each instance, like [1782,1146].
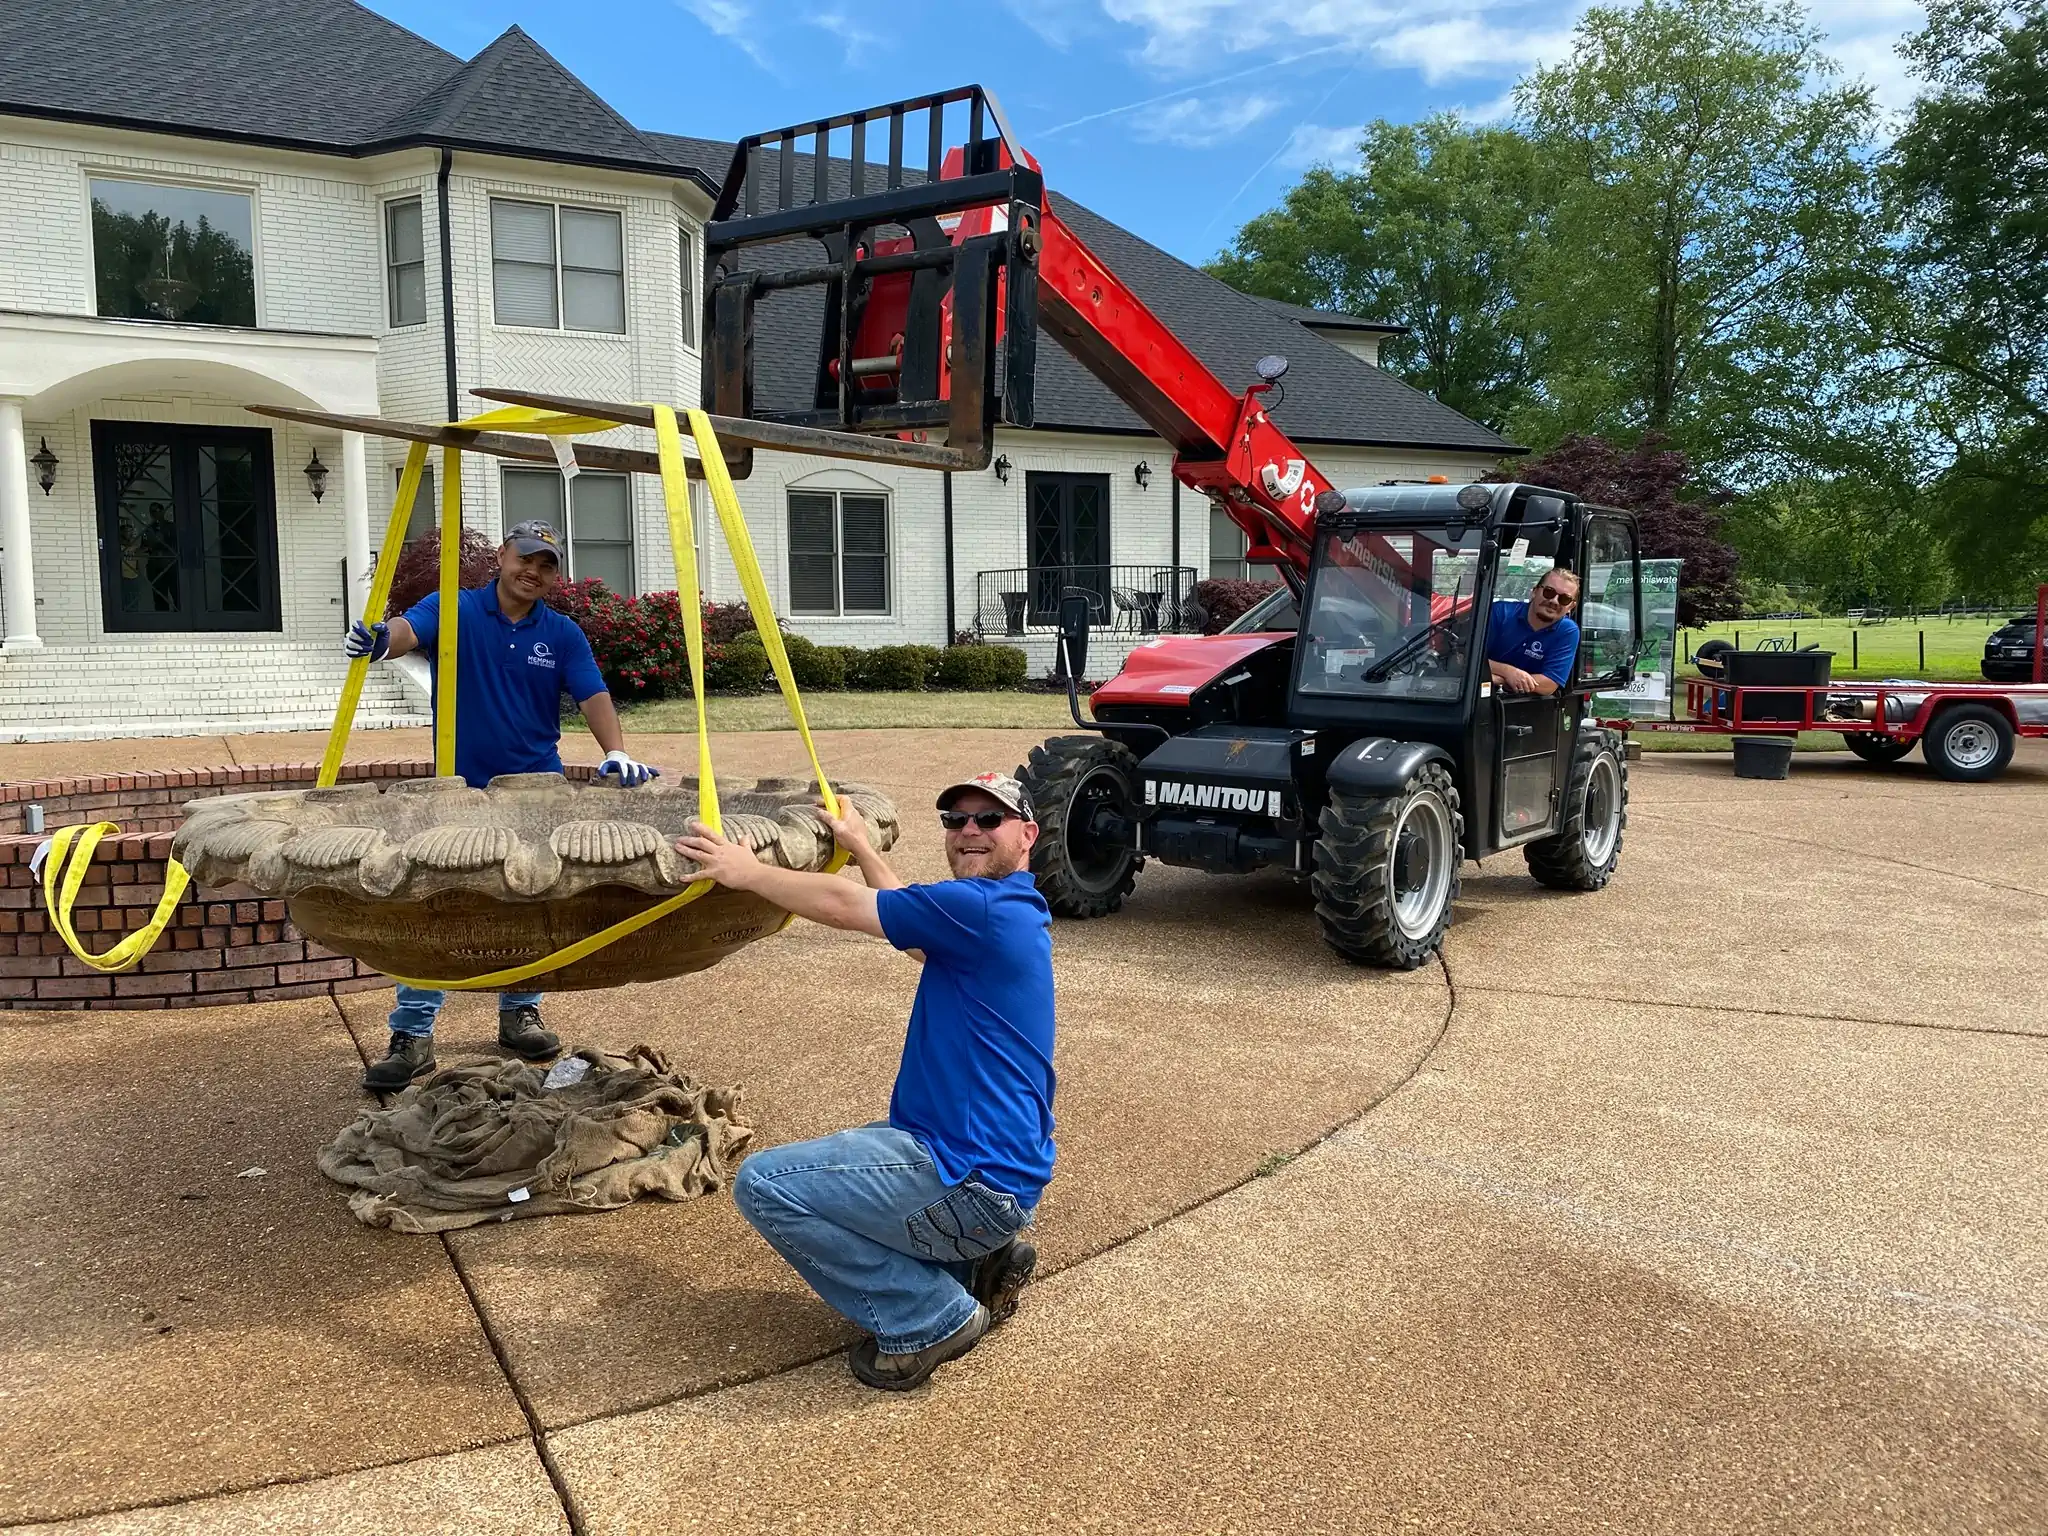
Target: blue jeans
[417,1007]
[868,1222]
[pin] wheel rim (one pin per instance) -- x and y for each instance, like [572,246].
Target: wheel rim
[1097,865]
[1603,810]
[1422,842]
[1970,744]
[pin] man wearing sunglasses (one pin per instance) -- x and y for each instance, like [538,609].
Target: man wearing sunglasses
[1531,646]
[911,1227]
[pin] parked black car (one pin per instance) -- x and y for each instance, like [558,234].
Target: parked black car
[2009,652]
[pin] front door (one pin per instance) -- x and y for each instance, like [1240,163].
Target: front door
[1068,541]
[187,526]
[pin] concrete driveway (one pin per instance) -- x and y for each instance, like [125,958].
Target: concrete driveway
[1710,1202]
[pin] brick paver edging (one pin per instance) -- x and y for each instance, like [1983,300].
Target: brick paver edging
[224,945]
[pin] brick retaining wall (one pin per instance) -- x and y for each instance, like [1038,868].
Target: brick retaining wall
[224,945]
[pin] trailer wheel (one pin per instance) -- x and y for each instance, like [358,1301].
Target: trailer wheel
[1583,854]
[1968,743]
[1081,873]
[1873,748]
[1387,870]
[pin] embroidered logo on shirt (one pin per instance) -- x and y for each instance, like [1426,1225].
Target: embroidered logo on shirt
[542,656]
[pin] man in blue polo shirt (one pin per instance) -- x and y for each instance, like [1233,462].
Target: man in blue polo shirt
[1530,647]
[910,1227]
[515,658]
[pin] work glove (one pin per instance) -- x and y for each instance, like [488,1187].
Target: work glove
[631,775]
[371,640]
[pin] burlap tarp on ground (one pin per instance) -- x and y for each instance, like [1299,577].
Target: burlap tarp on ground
[483,1139]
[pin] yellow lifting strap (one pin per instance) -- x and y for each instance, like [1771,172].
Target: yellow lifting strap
[71,848]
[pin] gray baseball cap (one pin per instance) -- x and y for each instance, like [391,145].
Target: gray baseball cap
[534,536]
[999,786]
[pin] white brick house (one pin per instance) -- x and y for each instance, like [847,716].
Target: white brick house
[179,573]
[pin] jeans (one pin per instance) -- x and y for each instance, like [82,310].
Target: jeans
[417,1007]
[868,1222]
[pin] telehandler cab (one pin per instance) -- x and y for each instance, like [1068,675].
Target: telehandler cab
[1346,731]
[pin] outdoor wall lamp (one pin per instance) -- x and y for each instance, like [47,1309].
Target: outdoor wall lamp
[1002,467]
[46,467]
[1143,474]
[316,475]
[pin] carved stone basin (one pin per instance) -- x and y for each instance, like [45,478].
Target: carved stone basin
[432,880]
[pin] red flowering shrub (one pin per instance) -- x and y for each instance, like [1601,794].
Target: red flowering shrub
[1222,602]
[419,568]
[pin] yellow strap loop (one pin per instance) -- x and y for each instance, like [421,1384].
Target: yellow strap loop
[71,850]
[373,613]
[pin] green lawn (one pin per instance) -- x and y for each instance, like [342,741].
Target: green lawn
[1889,649]
[858,712]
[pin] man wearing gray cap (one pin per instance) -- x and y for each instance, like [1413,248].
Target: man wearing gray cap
[910,1227]
[515,658]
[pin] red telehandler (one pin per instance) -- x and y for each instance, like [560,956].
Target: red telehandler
[1347,730]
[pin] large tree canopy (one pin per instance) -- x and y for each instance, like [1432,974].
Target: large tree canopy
[1714,188]
[1434,230]
[1968,186]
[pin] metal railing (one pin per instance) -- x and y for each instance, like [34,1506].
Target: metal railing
[1129,599]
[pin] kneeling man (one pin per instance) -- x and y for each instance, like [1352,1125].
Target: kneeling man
[909,1227]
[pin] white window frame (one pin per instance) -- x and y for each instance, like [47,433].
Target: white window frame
[568,516]
[839,495]
[91,171]
[561,309]
[392,265]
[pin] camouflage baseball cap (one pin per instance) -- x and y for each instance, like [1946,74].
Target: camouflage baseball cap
[999,786]
[534,536]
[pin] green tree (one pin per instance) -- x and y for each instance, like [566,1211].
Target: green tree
[1715,186]
[1966,316]
[1434,230]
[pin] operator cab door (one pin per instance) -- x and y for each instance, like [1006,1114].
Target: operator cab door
[1532,730]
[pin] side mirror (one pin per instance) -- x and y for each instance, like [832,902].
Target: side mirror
[1075,610]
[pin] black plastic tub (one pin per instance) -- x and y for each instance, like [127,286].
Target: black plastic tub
[1777,669]
[1763,757]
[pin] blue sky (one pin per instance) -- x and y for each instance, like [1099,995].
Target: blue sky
[1179,119]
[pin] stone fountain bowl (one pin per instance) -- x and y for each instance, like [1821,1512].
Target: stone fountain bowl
[431,880]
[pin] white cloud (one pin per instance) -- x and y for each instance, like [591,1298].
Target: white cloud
[734,21]
[1457,47]
[858,41]
[1315,144]
[1197,122]
[1449,40]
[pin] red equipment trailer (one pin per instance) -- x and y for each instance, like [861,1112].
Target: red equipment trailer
[1966,731]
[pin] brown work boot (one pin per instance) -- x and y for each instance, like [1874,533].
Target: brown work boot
[999,1276]
[899,1373]
[410,1057]
[521,1032]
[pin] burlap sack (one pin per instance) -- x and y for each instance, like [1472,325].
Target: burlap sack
[483,1140]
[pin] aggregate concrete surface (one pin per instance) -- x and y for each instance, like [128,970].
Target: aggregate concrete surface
[1710,1202]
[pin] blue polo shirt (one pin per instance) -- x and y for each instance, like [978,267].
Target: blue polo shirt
[509,681]
[1547,652]
[975,1086]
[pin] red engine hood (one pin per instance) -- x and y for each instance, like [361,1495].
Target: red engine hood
[1167,670]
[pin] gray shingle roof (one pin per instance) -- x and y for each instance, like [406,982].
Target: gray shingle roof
[325,73]
[1331,395]
[1330,319]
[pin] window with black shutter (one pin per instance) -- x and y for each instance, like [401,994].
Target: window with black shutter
[838,553]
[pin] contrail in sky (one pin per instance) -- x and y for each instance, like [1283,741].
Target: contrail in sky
[1200,85]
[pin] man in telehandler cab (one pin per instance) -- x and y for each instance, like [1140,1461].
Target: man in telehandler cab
[1530,647]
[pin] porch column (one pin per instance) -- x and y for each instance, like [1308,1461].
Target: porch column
[17,571]
[355,520]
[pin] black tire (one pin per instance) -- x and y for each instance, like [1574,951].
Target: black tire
[1583,854]
[1077,874]
[1968,743]
[1873,748]
[1376,907]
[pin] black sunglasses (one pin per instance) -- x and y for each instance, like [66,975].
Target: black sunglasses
[988,821]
